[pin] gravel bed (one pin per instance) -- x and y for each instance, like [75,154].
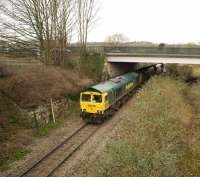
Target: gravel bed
[80,164]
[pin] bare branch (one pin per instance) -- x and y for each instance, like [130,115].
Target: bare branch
[43,23]
[87,11]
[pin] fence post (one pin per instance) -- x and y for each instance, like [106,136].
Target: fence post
[52,111]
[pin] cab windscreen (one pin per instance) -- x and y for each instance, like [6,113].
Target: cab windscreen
[86,97]
[97,98]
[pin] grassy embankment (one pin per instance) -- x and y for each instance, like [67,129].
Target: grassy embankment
[31,86]
[159,134]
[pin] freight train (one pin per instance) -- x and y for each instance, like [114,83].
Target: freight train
[101,101]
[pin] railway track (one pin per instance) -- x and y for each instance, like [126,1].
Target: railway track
[48,164]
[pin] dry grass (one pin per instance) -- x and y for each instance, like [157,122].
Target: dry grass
[190,162]
[157,136]
[193,95]
[196,71]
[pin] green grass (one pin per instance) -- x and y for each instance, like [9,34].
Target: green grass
[10,58]
[4,58]
[18,154]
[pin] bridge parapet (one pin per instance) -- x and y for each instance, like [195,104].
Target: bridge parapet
[154,50]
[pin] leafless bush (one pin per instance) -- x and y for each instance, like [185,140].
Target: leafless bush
[183,72]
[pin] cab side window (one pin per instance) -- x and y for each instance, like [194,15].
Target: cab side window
[106,98]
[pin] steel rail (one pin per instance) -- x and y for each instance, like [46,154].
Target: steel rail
[53,150]
[72,152]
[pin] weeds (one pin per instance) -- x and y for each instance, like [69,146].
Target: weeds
[44,131]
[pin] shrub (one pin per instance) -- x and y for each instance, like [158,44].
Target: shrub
[92,65]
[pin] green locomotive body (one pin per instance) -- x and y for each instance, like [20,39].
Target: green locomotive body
[112,94]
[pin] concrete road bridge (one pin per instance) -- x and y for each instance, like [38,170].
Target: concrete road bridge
[128,59]
[152,58]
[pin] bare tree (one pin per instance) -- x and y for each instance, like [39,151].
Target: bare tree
[44,24]
[116,39]
[86,16]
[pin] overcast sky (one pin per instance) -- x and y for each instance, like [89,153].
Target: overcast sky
[169,21]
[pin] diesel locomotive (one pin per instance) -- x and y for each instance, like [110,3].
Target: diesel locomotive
[99,102]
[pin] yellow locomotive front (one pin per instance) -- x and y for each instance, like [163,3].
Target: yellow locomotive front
[93,102]
[93,105]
